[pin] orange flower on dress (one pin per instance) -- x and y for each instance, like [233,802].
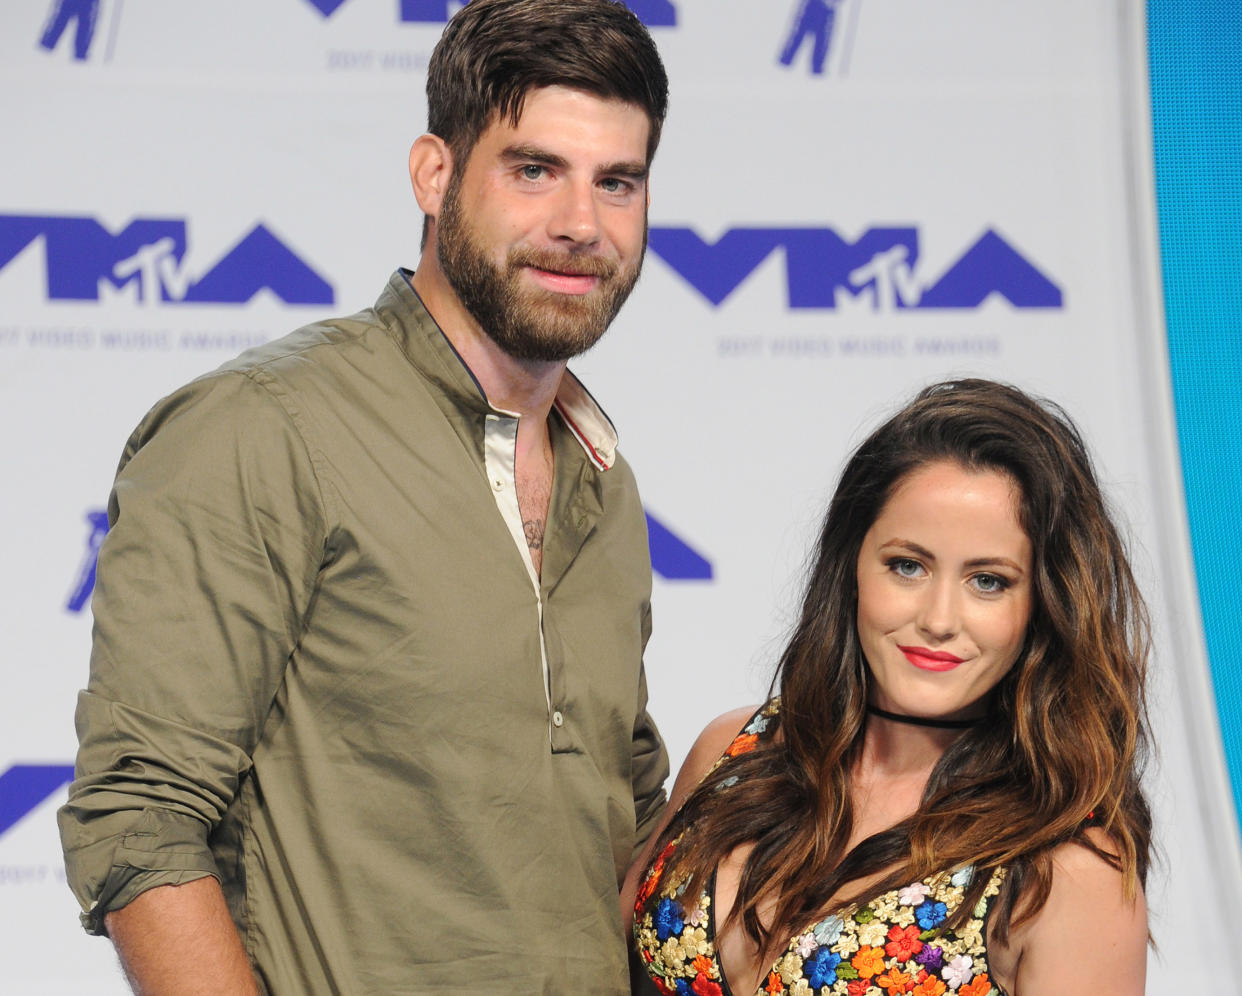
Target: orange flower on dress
[652,878]
[745,743]
[903,944]
[702,964]
[775,985]
[896,982]
[869,961]
[930,986]
[980,985]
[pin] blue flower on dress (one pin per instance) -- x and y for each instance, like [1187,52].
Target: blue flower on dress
[683,988]
[929,957]
[670,918]
[821,968]
[757,725]
[727,783]
[828,931]
[930,914]
[962,877]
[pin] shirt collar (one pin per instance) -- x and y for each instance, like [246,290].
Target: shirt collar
[429,350]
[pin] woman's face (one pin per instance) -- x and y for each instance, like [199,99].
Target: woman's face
[944,591]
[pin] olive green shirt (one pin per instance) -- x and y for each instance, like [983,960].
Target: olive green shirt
[322,674]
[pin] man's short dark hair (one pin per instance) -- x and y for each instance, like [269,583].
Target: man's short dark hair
[494,52]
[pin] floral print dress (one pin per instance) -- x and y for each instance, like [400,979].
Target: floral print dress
[894,945]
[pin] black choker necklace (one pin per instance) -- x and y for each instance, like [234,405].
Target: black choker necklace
[939,724]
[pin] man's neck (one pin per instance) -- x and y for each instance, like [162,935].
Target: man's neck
[527,387]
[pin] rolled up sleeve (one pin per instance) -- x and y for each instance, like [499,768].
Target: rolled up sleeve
[649,769]
[217,530]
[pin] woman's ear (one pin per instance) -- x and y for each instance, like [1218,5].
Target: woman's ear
[431,166]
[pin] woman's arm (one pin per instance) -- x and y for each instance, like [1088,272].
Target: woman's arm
[1089,939]
[711,743]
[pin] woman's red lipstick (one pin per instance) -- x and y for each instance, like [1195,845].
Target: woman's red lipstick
[930,660]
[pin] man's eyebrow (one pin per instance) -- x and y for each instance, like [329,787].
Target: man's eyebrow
[534,154]
[632,170]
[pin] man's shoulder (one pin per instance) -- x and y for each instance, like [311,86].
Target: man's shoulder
[313,348]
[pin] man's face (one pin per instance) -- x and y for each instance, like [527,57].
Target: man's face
[542,230]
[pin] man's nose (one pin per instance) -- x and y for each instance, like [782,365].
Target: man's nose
[576,215]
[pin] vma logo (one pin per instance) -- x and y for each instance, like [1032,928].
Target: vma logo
[84,259]
[24,787]
[827,28]
[671,557]
[879,269]
[653,13]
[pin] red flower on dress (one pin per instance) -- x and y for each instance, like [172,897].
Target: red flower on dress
[858,987]
[704,986]
[903,944]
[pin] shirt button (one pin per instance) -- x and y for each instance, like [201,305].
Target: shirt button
[498,485]
[557,719]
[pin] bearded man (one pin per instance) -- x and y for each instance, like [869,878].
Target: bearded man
[367,711]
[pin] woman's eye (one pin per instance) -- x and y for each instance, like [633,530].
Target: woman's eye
[905,568]
[990,583]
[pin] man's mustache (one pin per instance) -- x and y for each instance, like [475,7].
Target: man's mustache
[577,264]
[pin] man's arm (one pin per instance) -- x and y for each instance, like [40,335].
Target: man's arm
[217,535]
[179,939]
[649,764]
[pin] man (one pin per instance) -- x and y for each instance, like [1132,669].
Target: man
[367,711]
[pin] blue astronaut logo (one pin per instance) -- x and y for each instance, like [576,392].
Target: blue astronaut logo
[878,271]
[78,20]
[654,13]
[147,257]
[826,28]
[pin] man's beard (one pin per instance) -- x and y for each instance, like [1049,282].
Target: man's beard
[529,323]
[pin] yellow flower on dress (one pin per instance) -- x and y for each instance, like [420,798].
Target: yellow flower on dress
[874,933]
[790,968]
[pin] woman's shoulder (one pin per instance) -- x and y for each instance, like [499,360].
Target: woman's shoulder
[1092,928]
[711,745]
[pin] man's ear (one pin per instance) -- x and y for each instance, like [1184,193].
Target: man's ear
[431,166]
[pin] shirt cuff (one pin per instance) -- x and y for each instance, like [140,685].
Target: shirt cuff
[156,848]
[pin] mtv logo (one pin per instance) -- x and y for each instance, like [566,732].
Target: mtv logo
[823,269]
[147,256]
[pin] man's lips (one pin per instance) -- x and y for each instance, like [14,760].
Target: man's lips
[565,282]
[565,274]
[930,660]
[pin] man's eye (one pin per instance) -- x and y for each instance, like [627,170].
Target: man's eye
[614,186]
[531,171]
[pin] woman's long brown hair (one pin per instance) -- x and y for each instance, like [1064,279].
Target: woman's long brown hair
[1065,738]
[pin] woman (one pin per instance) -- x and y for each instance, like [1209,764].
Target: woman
[945,796]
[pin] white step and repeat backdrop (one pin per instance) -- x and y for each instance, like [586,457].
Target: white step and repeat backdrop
[853,198]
